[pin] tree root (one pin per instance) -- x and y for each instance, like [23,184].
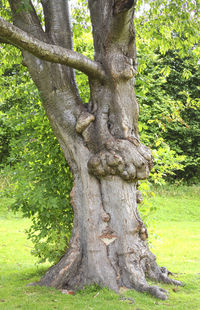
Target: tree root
[165,279]
[155,290]
[140,267]
[67,274]
[160,275]
[65,271]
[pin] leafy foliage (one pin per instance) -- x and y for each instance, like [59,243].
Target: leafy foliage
[169,104]
[168,79]
[184,136]
[41,179]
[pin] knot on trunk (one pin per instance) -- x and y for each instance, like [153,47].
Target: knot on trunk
[105,217]
[123,158]
[121,66]
[139,198]
[143,233]
[84,121]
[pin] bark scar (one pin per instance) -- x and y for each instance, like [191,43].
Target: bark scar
[108,239]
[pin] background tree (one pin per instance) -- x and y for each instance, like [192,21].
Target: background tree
[115,127]
[167,85]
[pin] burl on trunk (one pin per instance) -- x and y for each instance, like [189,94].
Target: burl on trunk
[100,141]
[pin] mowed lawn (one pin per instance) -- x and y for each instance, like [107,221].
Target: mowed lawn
[175,239]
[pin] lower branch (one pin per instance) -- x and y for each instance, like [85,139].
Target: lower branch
[49,52]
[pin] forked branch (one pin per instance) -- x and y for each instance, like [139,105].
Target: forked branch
[49,52]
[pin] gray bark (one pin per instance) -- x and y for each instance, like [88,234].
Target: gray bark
[101,142]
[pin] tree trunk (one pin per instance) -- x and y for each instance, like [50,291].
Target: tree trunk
[108,245]
[101,143]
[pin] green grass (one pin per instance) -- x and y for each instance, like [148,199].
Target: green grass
[176,244]
[177,219]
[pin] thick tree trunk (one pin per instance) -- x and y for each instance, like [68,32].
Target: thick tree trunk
[100,141]
[108,245]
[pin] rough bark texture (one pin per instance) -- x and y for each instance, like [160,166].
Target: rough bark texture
[100,141]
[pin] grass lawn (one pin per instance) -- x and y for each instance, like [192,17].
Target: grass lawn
[176,244]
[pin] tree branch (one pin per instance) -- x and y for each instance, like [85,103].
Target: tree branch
[49,52]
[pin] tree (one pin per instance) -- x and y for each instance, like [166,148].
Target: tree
[31,156]
[168,94]
[100,140]
[185,135]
